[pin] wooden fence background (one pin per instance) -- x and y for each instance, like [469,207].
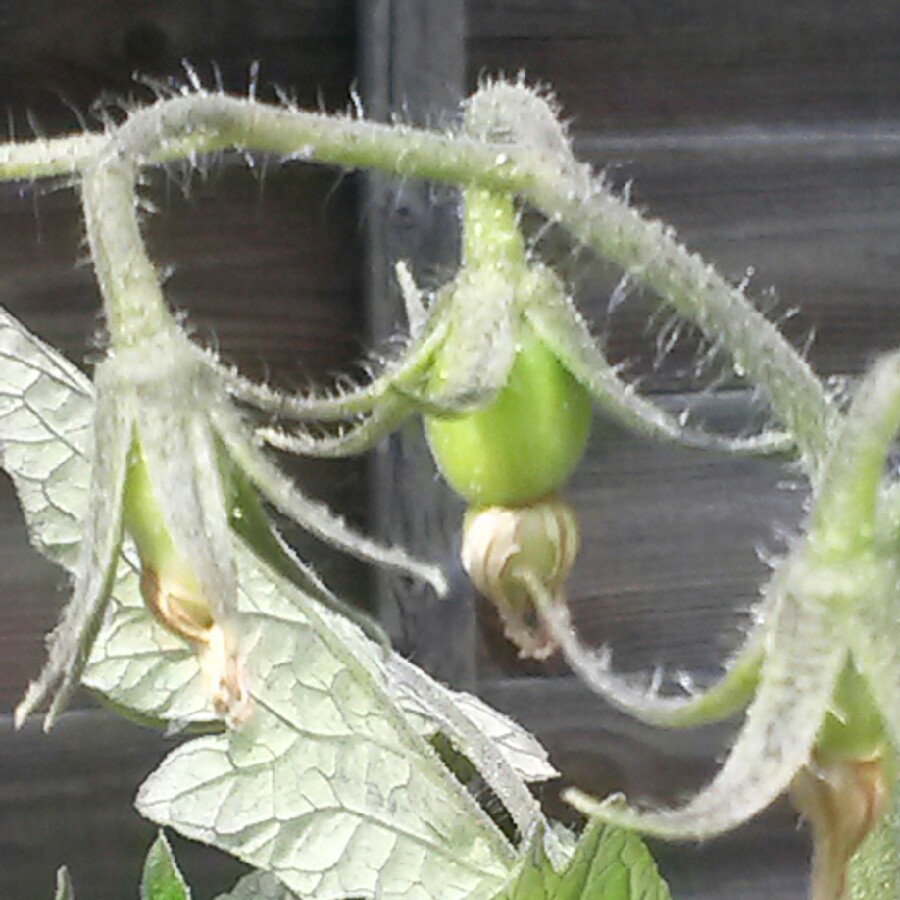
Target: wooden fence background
[764,131]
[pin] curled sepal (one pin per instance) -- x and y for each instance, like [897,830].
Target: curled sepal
[188,475]
[873,638]
[594,667]
[346,440]
[429,328]
[501,545]
[804,656]
[69,644]
[278,489]
[176,500]
[474,360]
[560,326]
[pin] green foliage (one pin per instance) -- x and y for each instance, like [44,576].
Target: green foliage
[161,879]
[327,786]
[258,886]
[324,704]
[389,815]
[607,863]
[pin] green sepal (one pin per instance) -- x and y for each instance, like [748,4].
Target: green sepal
[145,523]
[144,519]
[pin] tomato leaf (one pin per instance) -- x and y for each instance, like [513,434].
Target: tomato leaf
[328,785]
[333,785]
[258,886]
[607,863]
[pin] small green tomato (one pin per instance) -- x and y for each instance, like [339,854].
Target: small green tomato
[168,585]
[171,591]
[525,444]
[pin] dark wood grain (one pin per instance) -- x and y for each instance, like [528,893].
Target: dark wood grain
[66,799]
[762,132]
[601,750]
[809,217]
[638,64]
[412,67]
[58,59]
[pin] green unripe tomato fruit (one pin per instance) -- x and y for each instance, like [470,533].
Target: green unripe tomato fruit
[525,444]
[168,584]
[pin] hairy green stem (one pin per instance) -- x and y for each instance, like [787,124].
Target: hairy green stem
[202,123]
[132,298]
[491,235]
[650,253]
[49,158]
[845,520]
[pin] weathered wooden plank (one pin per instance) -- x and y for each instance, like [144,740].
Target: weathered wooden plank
[640,64]
[716,120]
[266,266]
[812,215]
[411,56]
[601,750]
[66,798]
[53,54]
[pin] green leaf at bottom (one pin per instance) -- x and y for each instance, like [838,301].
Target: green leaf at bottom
[608,864]
[258,886]
[161,879]
[328,785]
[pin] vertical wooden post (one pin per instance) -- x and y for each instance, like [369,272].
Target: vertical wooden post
[412,67]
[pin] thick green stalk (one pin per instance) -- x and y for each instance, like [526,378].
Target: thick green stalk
[846,532]
[845,520]
[650,253]
[132,298]
[49,158]
[491,235]
[565,194]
